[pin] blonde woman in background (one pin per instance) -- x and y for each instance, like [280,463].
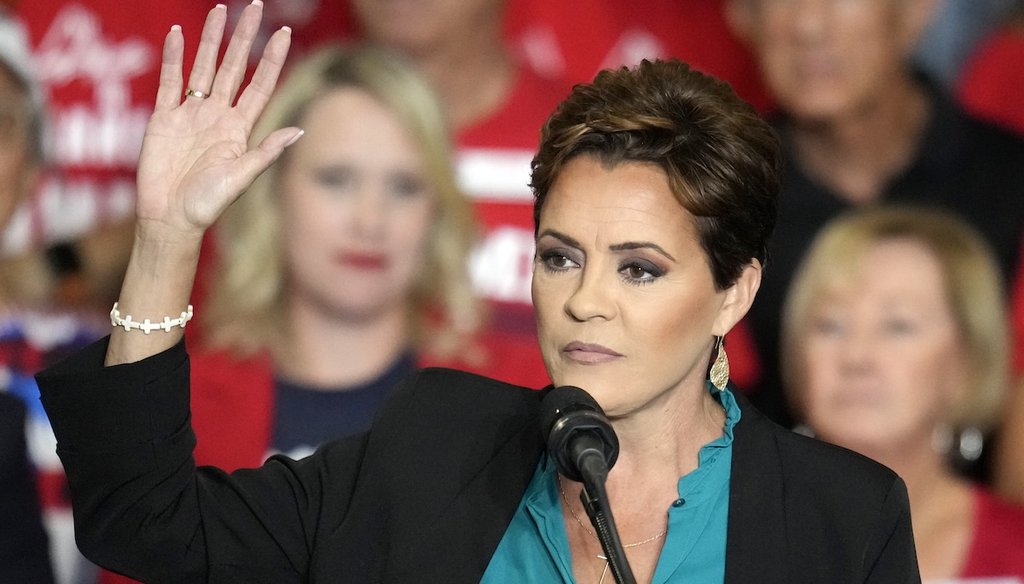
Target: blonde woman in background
[895,342]
[342,269]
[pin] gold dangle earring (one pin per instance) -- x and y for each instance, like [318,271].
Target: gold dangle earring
[719,374]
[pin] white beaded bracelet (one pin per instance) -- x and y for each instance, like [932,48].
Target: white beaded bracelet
[146,326]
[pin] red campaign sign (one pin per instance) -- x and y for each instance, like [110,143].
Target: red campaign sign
[98,65]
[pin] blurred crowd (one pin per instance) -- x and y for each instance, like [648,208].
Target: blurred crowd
[398,233]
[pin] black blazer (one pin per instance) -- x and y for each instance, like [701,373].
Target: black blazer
[425,496]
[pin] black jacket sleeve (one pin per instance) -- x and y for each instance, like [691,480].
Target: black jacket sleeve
[141,506]
[891,554]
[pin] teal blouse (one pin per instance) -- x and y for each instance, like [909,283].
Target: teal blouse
[535,547]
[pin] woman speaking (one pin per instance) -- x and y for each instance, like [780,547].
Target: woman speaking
[655,195]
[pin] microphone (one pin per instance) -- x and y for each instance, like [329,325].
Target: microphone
[583,444]
[579,437]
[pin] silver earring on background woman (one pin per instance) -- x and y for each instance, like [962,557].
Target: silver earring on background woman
[970,443]
[963,446]
[719,374]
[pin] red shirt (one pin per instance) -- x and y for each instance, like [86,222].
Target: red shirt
[577,39]
[992,80]
[493,165]
[997,546]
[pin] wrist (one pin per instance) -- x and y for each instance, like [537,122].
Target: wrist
[160,241]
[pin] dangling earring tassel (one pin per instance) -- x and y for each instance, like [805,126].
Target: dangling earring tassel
[720,369]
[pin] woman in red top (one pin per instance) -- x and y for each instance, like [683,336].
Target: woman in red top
[895,345]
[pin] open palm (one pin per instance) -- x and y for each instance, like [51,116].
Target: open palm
[195,156]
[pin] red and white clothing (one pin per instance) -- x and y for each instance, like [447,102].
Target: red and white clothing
[493,168]
[577,40]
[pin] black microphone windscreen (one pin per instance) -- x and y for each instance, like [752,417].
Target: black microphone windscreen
[572,424]
[564,399]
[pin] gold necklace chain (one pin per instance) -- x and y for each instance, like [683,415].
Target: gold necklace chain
[572,511]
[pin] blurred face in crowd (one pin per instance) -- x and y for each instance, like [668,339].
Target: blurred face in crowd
[357,208]
[420,26]
[883,358]
[825,59]
[625,300]
[17,168]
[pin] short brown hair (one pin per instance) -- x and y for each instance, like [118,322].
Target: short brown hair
[721,158]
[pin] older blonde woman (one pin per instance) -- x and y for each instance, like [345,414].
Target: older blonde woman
[895,344]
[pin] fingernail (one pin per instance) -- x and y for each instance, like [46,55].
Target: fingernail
[295,138]
[257,2]
[176,27]
[221,6]
[287,29]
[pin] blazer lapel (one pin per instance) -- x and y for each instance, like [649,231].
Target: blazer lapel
[465,490]
[756,545]
[458,546]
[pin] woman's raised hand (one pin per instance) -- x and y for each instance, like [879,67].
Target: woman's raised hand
[195,156]
[195,161]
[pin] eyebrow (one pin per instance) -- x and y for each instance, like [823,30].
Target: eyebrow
[625,246]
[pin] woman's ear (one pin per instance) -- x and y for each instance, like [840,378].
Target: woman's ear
[738,298]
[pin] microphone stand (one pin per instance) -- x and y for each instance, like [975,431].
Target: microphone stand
[595,501]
